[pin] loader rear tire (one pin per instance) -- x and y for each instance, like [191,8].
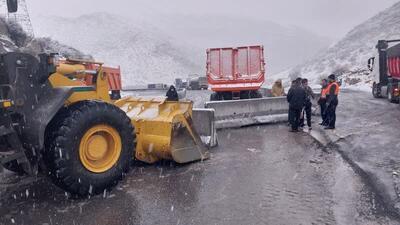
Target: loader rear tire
[90,148]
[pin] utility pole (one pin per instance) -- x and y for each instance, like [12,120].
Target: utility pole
[21,16]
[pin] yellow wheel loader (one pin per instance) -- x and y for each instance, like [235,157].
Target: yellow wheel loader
[52,122]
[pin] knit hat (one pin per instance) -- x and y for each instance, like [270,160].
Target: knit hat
[332,77]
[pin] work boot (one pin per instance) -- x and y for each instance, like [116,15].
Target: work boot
[294,130]
[329,128]
[309,128]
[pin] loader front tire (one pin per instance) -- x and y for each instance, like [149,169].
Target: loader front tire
[90,149]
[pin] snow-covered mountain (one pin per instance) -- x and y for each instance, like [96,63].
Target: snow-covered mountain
[285,46]
[159,48]
[144,53]
[349,56]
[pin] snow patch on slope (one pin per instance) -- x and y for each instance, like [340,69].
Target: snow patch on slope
[144,53]
[348,58]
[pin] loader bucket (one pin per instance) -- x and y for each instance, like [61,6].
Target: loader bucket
[164,130]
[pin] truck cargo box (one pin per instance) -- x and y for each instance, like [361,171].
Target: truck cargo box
[113,76]
[393,61]
[235,69]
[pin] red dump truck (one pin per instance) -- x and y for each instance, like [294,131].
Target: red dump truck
[386,70]
[235,73]
[114,79]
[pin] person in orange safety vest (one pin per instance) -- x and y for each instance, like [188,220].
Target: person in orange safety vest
[332,102]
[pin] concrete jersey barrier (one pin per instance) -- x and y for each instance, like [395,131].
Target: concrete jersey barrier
[239,113]
[204,123]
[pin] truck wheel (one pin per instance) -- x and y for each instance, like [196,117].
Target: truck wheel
[226,96]
[91,148]
[245,95]
[255,94]
[375,91]
[214,97]
[391,97]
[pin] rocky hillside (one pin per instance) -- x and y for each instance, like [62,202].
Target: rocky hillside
[13,38]
[349,56]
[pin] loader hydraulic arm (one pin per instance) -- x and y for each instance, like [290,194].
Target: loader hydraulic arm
[72,74]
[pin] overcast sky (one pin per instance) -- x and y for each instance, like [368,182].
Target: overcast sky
[333,18]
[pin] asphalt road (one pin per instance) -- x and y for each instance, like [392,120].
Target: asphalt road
[258,175]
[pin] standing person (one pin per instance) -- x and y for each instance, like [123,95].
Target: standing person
[172,94]
[277,89]
[289,115]
[322,101]
[296,98]
[307,104]
[332,102]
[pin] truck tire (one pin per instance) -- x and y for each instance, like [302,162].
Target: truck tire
[90,148]
[391,97]
[245,95]
[255,94]
[226,96]
[376,91]
[214,97]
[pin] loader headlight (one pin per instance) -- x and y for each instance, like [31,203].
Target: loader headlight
[6,104]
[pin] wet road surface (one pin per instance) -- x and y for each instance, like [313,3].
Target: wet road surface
[258,175]
[370,139]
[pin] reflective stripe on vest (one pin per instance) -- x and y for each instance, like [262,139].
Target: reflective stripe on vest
[337,89]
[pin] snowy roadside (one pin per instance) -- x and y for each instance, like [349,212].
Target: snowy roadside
[365,139]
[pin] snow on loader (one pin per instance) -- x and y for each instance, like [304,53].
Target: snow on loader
[52,122]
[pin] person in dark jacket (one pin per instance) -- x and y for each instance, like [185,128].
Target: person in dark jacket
[296,98]
[172,94]
[332,102]
[307,104]
[322,101]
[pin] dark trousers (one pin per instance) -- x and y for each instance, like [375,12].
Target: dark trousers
[306,113]
[294,117]
[331,115]
[323,112]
